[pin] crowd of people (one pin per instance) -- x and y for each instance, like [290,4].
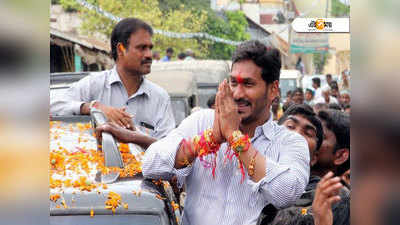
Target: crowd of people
[169,53]
[237,165]
[334,95]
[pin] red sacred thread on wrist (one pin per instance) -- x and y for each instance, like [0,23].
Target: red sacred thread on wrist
[205,145]
[238,143]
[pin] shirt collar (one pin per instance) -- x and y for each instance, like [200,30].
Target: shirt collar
[143,89]
[267,128]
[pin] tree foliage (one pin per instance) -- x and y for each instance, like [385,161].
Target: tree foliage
[179,20]
[339,9]
[182,16]
[232,27]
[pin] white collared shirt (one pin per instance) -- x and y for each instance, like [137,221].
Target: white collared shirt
[225,200]
[150,104]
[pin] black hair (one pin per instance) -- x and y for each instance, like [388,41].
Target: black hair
[170,50]
[334,85]
[211,101]
[289,93]
[181,55]
[311,91]
[346,106]
[334,106]
[268,59]
[339,123]
[300,90]
[307,112]
[328,75]
[317,81]
[123,31]
[286,105]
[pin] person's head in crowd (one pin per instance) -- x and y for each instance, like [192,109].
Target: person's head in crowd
[347,108]
[326,92]
[298,96]
[211,102]
[254,79]
[302,119]
[156,55]
[344,97]
[288,96]
[334,106]
[170,52]
[335,91]
[275,104]
[316,83]
[328,78]
[286,105]
[334,154]
[320,106]
[189,52]
[309,95]
[131,46]
[181,56]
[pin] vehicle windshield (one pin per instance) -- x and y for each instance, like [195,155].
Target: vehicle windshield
[204,95]
[131,219]
[178,109]
[285,85]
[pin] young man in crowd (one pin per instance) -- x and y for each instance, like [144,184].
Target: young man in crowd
[156,56]
[274,160]
[332,154]
[316,84]
[123,94]
[309,97]
[168,56]
[298,96]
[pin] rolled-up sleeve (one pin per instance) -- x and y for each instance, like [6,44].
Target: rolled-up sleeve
[70,102]
[287,178]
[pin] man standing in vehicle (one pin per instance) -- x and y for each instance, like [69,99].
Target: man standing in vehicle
[122,93]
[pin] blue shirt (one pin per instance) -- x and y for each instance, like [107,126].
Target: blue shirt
[150,104]
[225,200]
[165,59]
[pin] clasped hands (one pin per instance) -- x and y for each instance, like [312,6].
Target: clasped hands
[227,118]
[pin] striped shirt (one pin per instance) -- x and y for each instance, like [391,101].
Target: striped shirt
[225,200]
[150,104]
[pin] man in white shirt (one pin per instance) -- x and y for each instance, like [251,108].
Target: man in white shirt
[326,97]
[122,93]
[275,159]
[316,84]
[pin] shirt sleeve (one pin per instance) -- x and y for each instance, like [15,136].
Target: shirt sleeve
[167,122]
[70,102]
[159,159]
[286,179]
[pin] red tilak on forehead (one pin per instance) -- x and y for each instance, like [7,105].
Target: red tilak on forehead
[239,79]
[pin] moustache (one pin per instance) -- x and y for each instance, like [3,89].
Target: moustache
[242,101]
[146,61]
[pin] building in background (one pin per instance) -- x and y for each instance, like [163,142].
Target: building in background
[71,51]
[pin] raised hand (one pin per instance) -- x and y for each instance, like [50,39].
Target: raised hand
[229,118]
[326,195]
[118,116]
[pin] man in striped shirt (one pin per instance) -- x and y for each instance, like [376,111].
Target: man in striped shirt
[275,160]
